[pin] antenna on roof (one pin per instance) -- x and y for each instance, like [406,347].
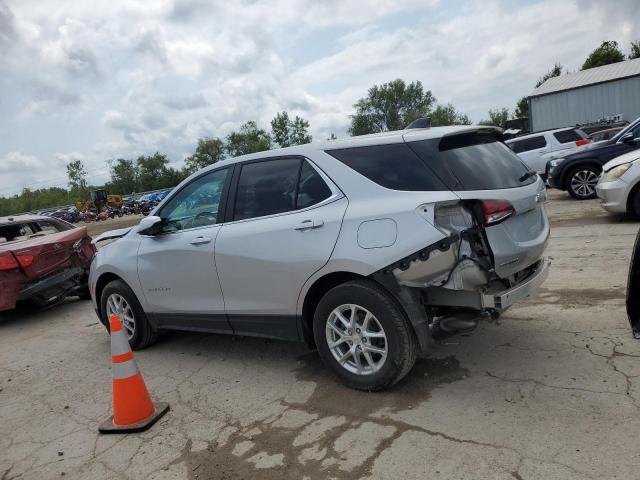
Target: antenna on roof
[424,122]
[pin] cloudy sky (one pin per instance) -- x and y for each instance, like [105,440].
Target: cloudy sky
[102,79]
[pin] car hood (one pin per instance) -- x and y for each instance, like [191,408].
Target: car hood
[111,235]
[626,158]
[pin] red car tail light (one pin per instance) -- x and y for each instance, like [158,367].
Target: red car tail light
[25,260]
[582,141]
[7,262]
[496,211]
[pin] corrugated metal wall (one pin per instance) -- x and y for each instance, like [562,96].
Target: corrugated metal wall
[587,104]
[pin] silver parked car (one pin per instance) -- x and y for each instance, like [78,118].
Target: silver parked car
[368,248]
[619,185]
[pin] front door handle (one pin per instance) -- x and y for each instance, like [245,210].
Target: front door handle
[309,225]
[200,240]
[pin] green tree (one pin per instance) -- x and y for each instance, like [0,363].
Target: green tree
[124,176]
[152,171]
[556,71]
[497,117]
[77,175]
[208,152]
[635,50]
[391,106]
[249,139]
[286,132]
[608,52]
[522,108]
[444,115]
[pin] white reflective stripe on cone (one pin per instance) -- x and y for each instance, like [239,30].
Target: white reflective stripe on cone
[124,370]
[119,343]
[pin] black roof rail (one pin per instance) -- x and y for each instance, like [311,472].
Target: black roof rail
[424,122]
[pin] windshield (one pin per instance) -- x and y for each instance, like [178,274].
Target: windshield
[626,129]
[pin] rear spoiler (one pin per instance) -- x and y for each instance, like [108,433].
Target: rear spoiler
[111,235]
[470,137]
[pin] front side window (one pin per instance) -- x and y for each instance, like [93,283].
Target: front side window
[195,205]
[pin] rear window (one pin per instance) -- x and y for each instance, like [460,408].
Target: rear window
[566,136]
[14,232]
[393,166]
[473,161]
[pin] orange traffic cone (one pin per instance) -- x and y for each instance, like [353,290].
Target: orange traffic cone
[133,410]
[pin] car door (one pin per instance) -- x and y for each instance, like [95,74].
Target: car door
[177,267]
[531,151]
[284,225]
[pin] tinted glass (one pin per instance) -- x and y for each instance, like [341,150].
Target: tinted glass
[266,188]
[473,162]
[195,205]
[312,188]
[392,166]
[566,136]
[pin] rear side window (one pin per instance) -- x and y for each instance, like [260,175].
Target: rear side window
[567,136]
[473,161]
[393,166]
[528,144]
[312,188]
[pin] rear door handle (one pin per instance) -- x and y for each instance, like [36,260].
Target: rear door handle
[309,225]
[200,240]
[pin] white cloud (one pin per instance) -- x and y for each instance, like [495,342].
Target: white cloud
[121,78]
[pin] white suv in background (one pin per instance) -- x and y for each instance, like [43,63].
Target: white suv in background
[535,149]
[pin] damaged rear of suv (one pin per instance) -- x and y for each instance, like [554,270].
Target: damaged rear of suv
[369,248]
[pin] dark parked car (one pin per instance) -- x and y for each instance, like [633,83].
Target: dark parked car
[604,134]
[42,259]
[577,172]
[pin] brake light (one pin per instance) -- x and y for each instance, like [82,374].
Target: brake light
[496,211]
[582,141]
[25,260]
[7,262]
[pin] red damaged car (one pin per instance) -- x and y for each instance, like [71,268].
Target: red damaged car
[43,260]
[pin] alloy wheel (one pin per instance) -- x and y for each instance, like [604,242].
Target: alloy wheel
[583,182]
[117,304]
[356,339]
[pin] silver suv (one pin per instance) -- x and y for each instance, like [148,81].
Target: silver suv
[368,248]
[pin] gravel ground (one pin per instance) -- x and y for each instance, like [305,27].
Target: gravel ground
[550,391]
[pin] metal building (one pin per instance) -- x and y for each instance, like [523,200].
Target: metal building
[588,96]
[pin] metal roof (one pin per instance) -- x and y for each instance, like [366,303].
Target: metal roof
[591,76]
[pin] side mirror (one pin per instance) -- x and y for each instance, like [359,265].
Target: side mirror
[150,225]
[628,137]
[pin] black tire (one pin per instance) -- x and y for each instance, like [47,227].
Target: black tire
[143,333]
[581,182]
[633,208]
[401,342]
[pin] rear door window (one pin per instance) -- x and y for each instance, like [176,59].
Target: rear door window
[393,166]
[267,187]
[473,161]
[312,188]
[528,144]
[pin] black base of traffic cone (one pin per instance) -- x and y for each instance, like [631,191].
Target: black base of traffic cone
[108,426]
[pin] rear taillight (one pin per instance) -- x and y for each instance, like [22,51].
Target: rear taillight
[496,211]
[25,260]
[582,141]
[8,262]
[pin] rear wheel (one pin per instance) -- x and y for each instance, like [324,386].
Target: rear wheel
[634,204]
[363,336]
[581,182]
[118,298]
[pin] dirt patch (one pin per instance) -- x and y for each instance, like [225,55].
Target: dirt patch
[587,297]
[306,440]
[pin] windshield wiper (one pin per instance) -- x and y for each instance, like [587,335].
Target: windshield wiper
[527,175]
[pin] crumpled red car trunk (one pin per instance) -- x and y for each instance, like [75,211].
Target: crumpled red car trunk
[40,258]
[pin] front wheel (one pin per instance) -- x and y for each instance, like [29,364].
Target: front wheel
[364,336]
[118,298]
[581,182]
